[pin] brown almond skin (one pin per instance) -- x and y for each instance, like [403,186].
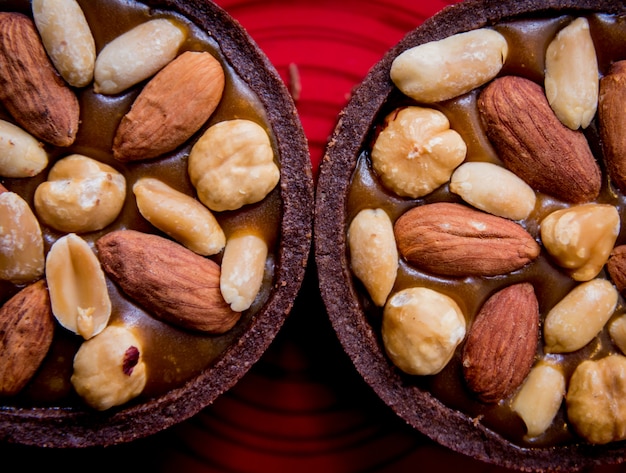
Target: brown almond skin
[616,267]
[30,87]
[171,107]
[611,106]
[454,240]
[26,332]
[533,143]
[169,281]
[501,344]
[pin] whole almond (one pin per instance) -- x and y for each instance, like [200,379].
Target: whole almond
[168,280]
[26,332]
[612,120]
[534,144]
[453,240]
[171,107]
[30,88]
[501,343]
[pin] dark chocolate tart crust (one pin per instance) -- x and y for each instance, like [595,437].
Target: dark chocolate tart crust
[84,427]
[451,428]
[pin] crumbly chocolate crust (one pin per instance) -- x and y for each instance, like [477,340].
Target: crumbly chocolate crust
[81,427]
[417,407]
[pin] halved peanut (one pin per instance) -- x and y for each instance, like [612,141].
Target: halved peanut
[21,155]
[572,76]
[540,397]
[67,37]
[243,267]
[78,290]
[373,253]
[575,320]
[581,238]
[137,55]
[441,70]
[179,215]
[21,241]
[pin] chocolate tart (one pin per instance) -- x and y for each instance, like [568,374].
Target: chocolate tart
[210,364]
[428,403]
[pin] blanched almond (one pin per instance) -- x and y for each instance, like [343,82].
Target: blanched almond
[21,155]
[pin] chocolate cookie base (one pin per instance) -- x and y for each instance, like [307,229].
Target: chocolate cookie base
[84,427]
[448,427]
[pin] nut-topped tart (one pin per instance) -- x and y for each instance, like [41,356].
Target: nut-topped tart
[156,205]
[469,233]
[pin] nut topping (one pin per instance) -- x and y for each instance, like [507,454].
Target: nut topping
[21,155]
[417,151]
[78,290]
[534,144]
[501,343]
[454,240]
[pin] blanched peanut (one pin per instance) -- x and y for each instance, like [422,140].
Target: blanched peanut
[417,151]
[180,216]
[67,38]
[540,397]
[581,238]
[232,164]
[80,195]
[373,253]
[572,76]
[579,316]
[494,189]
[21,241]
[596,399]
[441,70]
[78,290]
[109,369]
[243,267]
[21,155]
[421,329]
[137,55]
[617,330]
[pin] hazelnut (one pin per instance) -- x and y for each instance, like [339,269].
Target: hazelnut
[109,369]
[580,238]
[232,164]
[416,151]
[596,399]
[421,329]
[80,195]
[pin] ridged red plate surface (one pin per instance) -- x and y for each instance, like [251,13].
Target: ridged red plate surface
[302,408]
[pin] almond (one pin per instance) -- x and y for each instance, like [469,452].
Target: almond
[616,267]
[501,343]
[613,122]
[534,144]
[171,107]
[454,240]
[168,280]
[26,331]
[30,87]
